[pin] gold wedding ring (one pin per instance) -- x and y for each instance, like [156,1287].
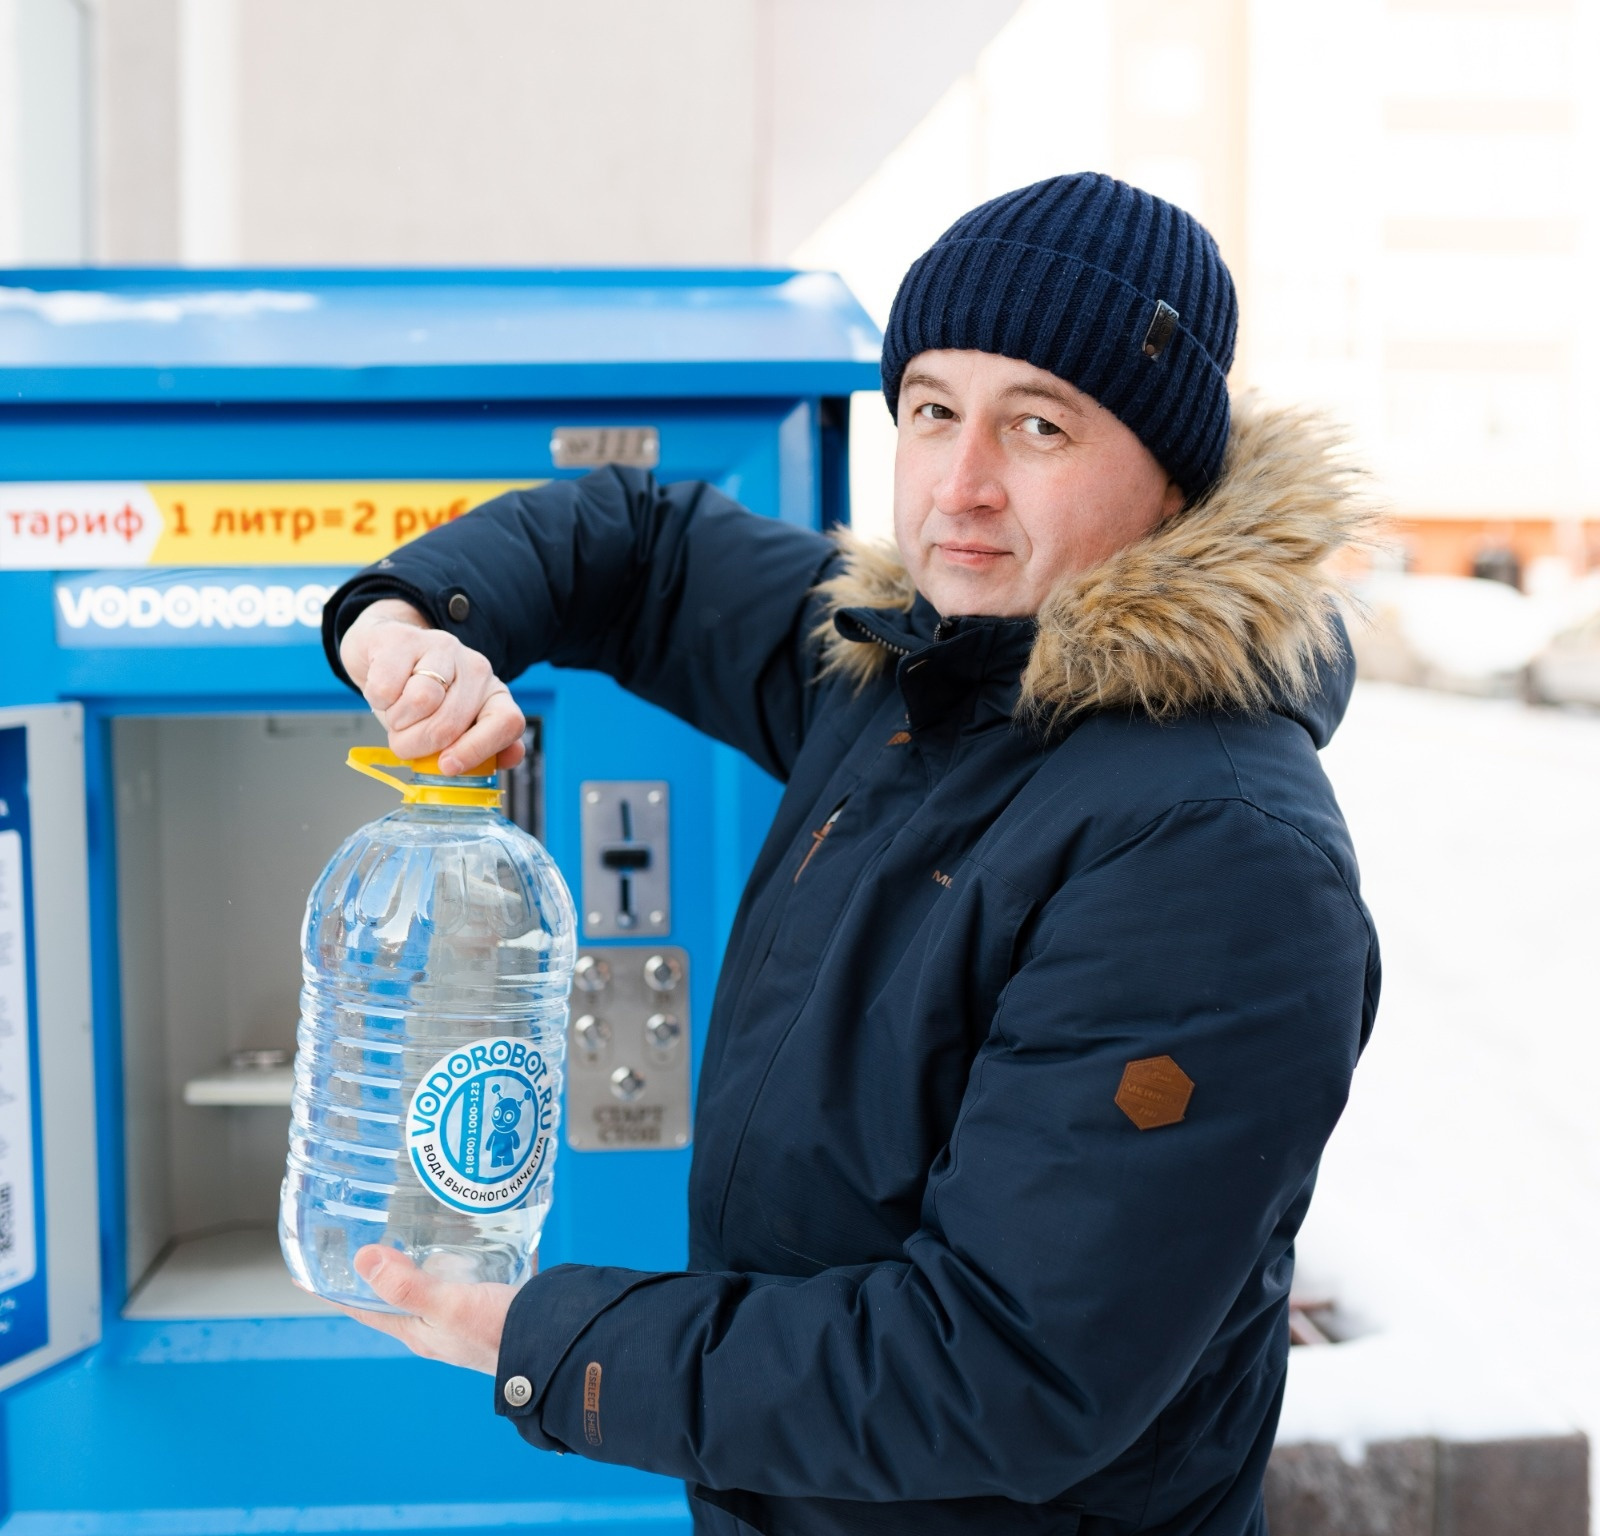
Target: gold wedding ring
[443,682]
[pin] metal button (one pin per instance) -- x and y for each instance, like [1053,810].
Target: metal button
[592,1034]
[458,608]
[518,1390]
[662,972]
[663,1030]
[590,974]
[626,1084]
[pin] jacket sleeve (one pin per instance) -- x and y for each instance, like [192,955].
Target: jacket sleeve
[682,596]
[1070,1269]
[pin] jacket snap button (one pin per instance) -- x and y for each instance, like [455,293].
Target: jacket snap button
[518,1390]
[459,607]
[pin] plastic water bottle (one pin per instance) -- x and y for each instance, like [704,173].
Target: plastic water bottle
[437,948]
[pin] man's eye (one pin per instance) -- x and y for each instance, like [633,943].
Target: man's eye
[933,411]
[1037,426]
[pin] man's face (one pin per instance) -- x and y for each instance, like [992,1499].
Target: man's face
[1006,479]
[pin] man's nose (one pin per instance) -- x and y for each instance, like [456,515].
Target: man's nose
[971,480]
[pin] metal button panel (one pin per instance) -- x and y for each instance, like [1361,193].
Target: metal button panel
[628,1050]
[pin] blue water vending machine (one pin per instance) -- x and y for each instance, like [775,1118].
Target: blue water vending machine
[189,463]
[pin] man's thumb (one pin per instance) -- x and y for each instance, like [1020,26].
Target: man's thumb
[393,1277]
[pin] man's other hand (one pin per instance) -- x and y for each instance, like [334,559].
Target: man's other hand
[450,1320]
[429,691]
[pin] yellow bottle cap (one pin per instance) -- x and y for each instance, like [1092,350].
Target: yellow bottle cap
[372,760]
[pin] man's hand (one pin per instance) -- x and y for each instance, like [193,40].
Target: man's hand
[429,691]
[449,1320]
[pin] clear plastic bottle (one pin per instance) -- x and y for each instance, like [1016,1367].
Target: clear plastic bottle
[437,956]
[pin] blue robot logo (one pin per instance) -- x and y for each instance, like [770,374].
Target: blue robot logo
[502,1142]
[480,1127]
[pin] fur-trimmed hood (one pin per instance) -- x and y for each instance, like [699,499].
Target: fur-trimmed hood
[1229,604]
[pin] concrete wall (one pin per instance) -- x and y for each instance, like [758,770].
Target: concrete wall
[421,131]
[137,189]
[46,117]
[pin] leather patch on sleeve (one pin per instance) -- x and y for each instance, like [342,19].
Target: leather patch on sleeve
[1154,1092]
[591,1403]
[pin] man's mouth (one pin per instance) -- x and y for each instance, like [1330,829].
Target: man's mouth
[974,556]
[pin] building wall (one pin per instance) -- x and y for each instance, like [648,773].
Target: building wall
[137,132]
[424,131]
[46,130]
[1400,186]
[1454,546]
[503,131]
[1420,233]
[1180,118]
[1482,235]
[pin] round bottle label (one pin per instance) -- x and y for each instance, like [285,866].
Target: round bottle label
[479,1129]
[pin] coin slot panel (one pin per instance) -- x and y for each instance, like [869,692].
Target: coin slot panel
[627,887]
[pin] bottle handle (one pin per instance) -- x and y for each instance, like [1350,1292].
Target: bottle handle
[372,761]
[365,760]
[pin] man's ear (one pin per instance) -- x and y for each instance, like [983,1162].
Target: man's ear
[1172,500]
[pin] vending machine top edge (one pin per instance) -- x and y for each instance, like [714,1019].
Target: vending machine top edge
[87,335]
[190,461]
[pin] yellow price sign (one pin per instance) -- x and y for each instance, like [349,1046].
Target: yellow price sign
[98,525]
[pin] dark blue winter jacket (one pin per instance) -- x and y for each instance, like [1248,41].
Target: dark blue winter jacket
[1040,1005]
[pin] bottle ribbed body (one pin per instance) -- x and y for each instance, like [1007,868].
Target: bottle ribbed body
[437,954]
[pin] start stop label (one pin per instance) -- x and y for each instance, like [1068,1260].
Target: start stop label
[481,1123]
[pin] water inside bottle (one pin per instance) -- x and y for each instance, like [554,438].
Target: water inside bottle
[437,955]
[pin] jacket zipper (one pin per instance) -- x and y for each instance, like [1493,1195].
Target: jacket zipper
[816,840]
[872,637]
[941,631]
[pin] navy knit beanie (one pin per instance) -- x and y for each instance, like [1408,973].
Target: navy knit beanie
[1105,286]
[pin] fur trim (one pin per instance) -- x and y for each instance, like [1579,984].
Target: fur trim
[1229,604]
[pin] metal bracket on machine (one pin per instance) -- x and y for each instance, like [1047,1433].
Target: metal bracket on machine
[595,447]
[628,1049]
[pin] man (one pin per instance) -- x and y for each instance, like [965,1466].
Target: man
[1048,983]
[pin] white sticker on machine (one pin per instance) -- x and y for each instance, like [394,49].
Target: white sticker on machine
[18,1258]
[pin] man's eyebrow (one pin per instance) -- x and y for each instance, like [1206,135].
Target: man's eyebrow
[1044,392]
[921,378]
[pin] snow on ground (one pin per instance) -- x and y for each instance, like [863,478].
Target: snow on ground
[1458,1210]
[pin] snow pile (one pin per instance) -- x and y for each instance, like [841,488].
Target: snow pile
[1406,1384]
[1475,630]
[1458,1211]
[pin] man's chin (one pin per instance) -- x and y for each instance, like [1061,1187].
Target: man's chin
[976,600]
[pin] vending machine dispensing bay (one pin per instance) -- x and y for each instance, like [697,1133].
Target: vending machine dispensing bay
[189,463]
